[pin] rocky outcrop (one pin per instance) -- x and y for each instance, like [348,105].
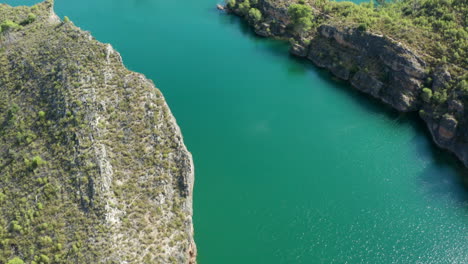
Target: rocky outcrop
[373,63]
[93,167]
[448,133]
[376,65]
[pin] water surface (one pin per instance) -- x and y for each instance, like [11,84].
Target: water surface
[291,165]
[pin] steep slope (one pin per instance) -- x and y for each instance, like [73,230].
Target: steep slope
[93,168]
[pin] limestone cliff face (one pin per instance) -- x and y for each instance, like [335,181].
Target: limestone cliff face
[376,65]
[93,168]
[372,63]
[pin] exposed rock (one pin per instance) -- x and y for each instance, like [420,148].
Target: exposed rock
[447,133]
[441,79]
[456,106]
[367,83]
[383,61]
[447,127]
[340,71]
[263,30]
[299,50]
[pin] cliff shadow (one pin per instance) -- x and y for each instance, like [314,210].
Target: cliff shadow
[444,174]
[275,47]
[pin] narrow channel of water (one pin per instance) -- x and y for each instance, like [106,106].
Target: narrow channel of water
[291,165]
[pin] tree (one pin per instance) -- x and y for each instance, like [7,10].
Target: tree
[8,25]
[301,16]
[231,4]
[42,115]
[15,260]
[255,14]
[244,7]
[31,18]
[426,95]
[440,97]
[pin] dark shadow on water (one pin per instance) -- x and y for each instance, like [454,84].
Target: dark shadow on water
[445,175]
[277,48]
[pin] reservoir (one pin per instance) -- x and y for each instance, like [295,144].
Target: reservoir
[292,166]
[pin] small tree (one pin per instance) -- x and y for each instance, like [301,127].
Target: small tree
[8,25]
[440,97]
[15,260]
[362,27]
[463,85]
[36,162]
[255,15]
[41,115]
[426,95]
[231,4]
[301,16]
[244,7]
[31,18]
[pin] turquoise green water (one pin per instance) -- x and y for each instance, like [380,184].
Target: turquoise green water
[291,166]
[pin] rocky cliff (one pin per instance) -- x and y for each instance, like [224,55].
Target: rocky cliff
[93,168]
[375,64]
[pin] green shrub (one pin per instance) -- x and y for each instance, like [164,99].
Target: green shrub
[41,115]
[362,27]
[44,259]
[463,86]
[301,16]
[244,7]
[31,18]
[46,241]
[66,19]
[255,15]
[36,162]
[231,4]
[15,227]
[2,197]
[15,260]
[426,95]
[8,25]
[440,97]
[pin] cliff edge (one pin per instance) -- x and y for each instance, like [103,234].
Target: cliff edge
[93,167]
[406,53]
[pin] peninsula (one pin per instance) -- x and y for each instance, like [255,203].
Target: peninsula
[93,168]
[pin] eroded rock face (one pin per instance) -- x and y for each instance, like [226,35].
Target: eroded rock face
[447,128]
[384,69]
[299,50]
[448,133]
[367,83]
[441,79]
[263,30]
[456,106]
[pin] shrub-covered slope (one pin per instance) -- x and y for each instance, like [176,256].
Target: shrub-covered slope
[93,168]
